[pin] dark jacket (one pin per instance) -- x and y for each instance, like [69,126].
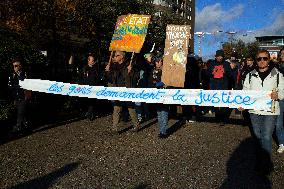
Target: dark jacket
[244,71]
[91,75]
[119,76]
[16,91]
[280,67]
[145,73]
[192,78]
[220,79]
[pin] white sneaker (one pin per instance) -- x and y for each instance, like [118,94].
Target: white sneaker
[189,121]
[280,149]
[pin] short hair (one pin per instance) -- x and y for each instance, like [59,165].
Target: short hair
[280,53]
[263,51]
[122,53]
[92,55]
[249,57]
[17,59]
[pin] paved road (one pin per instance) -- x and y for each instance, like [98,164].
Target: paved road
[84,154]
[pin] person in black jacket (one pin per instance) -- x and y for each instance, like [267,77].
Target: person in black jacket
[19,95]
[91,76]
[249,65]
[192,81]
[144,66]
[220,72]
[122,74]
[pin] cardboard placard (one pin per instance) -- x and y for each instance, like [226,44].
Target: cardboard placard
[175,55]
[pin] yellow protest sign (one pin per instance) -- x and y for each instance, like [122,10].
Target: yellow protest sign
[130,32]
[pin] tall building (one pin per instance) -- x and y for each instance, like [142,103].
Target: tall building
[185,8]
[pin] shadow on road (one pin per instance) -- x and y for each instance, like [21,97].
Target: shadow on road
[12,136]
[176,126]
[142,186]
[241,172]
[46,181]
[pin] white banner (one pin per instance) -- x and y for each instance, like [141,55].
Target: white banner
[258,100]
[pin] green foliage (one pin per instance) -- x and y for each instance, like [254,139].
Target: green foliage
[240,49]
[6,111]
[12,46]
[56,21]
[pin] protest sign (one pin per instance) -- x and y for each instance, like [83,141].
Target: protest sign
[257,100]
[175,55]
[130,32]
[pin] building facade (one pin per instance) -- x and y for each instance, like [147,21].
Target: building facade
[271,43]
[185,8]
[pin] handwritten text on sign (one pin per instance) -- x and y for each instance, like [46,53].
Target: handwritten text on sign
[176,49]
[130,32]
[258,100]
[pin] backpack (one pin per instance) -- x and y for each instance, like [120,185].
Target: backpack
[277,79]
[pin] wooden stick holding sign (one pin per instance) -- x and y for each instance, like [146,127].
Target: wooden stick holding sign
[273,105]
[129,67]
[109,62]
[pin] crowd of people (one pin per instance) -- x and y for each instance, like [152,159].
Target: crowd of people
[252,73]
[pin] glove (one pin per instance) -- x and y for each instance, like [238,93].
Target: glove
[159,84]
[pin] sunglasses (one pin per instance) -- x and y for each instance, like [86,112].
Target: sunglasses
[262,58]
[15,66]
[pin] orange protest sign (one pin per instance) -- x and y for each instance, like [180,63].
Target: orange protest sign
[130,32]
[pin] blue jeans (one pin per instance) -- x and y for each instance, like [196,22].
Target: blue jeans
[263,127]
[142,110]
[279,124]
[163,113]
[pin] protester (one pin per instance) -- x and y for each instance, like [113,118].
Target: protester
[145,67]
[192,81]
[248,66]
[279,122]
[20,96]
[121,74]
[268,78]
[235,73]
[220,72]
[162,109]
[90,76]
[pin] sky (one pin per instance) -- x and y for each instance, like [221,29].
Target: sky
[248,18]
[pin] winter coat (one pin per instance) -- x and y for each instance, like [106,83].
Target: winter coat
[219,80]
[254,82]
[244,71]
[13,83]
[119,76]
[91,75]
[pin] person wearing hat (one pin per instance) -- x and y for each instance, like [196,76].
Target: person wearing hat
[220,72]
